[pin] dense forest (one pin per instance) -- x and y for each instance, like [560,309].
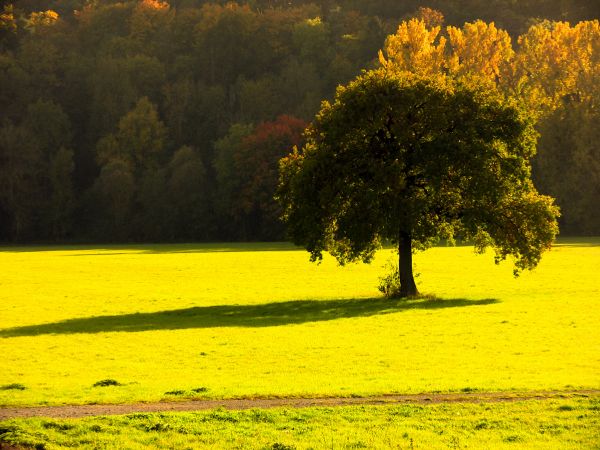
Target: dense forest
[154,121]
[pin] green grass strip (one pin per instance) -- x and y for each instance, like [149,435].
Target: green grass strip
[556,424]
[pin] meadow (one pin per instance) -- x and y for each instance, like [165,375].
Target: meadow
[168,322]
[555,424]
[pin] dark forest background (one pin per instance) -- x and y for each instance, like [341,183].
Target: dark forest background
[148,121]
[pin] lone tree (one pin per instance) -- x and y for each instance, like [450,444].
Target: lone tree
[410,160]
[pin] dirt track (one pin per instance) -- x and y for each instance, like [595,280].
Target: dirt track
[76,411]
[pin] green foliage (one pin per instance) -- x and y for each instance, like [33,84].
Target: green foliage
[188,193]
[389,283]
[428,158]
[115,190]
[256,167]
[310,39]
[49,126]
[246,170]
[141,135]
[62,203]
[20,167]
[570,138]
[228,181]
[73,74]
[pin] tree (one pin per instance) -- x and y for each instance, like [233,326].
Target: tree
[20,169]
[257,99]
[569,167]
[557,74]
[554,71]
[311,41]
[477,49]
[62,201]
[227,179]
[554,61]
[409,159]
[149,20]
[8,27]
[187,189]
[114,190]
[152,209]
[15,93]
[480,48]
[49,130]
[139,140]
[256,167]
[415,47]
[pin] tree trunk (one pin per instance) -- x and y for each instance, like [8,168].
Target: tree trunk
[408,288]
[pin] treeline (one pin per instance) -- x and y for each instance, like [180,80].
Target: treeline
[143,120]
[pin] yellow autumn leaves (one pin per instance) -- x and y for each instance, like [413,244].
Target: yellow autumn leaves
[551,61]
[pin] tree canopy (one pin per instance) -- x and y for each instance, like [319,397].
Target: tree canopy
[97,93]
[411,159]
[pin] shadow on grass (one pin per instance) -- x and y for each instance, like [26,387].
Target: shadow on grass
[133,249]
[219,247]
[263,315]
[578,242]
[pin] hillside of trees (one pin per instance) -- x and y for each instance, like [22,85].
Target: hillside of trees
[152,121]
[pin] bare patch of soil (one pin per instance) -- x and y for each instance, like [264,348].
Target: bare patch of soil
[77,411]
[5,446]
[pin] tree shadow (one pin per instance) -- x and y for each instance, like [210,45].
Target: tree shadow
[219,247]
[263,315]
[121,249]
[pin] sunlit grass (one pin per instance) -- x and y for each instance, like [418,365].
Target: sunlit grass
[557,424]
[260,320]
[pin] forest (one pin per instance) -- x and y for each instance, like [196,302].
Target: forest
[151,121]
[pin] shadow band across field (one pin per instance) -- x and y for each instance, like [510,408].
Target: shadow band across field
[262,315]
[154,249]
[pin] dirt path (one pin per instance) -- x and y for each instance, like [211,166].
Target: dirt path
[76,411]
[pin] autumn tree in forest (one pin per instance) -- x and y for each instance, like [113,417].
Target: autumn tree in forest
[410,160]
[256,166]
[557,75]
[415,47]
[477,49]
[553,71]
[555,62]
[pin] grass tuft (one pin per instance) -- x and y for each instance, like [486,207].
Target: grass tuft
[175,392]
[106,382]
[280,446]
[566,408]
[13,387]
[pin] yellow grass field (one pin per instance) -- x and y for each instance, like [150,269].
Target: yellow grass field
[244,320]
